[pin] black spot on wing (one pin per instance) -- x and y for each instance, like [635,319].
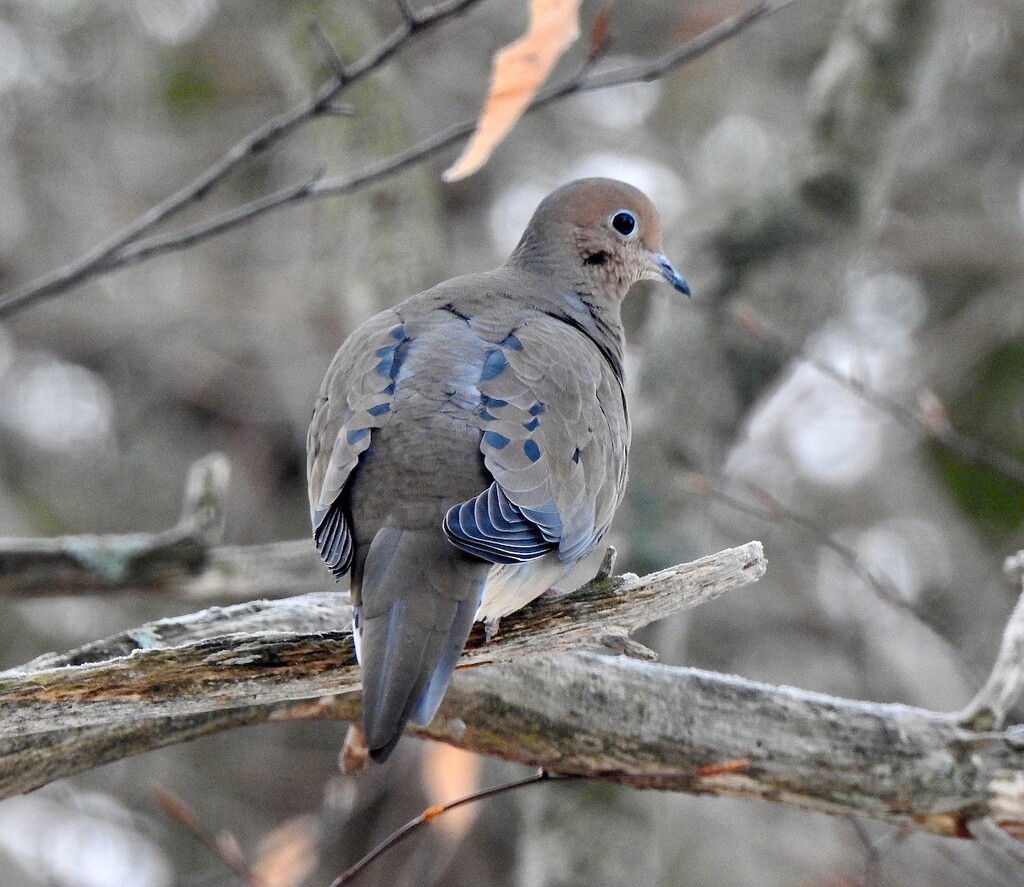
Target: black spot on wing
[451,309]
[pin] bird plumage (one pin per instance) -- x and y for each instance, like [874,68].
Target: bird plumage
[469,445]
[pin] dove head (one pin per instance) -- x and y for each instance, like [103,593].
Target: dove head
[600,236]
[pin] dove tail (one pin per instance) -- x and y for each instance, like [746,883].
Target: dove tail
[419,596]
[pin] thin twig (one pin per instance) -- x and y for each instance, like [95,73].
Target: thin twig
[111,253]
[223,845]
[963,445]
[330,55]
[408,13]
[586,80]
[128,247]
[772,510]
[737,765]
[436,810]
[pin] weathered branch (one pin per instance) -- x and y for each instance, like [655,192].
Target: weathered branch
[179,678]
[165,562]
[617,719]
[182,560]
[130,246]
[653,726]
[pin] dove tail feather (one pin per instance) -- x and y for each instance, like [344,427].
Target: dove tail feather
[426,707]
[419,597]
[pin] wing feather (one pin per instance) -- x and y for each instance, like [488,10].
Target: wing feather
[554,437]
[355,398]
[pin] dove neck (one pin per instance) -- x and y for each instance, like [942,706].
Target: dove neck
[569,298]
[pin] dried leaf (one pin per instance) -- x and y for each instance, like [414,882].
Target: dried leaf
[519,70]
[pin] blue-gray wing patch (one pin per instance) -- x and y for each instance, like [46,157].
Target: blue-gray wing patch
[356,398]
[554,439]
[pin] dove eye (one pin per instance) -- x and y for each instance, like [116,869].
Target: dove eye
[624,222]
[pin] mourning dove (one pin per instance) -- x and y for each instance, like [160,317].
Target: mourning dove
[468,446]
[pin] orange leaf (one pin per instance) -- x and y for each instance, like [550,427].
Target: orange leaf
[520,69]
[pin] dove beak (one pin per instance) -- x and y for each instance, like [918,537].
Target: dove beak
[670,274]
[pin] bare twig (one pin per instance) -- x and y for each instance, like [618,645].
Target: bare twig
[112,253]
[149,561]
[769,509]
[963,445]
[988,709]
[542,775]
[408,13]
[330,55]
[223,845]
[129,246]
[433,812]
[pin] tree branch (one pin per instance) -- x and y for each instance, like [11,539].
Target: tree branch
[182,560]
[179,678]
[129,247]
[114,253]
[932,422]
[630,722]
[652,726]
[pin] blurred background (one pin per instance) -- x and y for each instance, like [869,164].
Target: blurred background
[851,173]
